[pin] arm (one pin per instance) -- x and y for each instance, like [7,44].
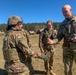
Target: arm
[72,31]
[59,35]
[22,45]
[24,48]
[27,36]
[40,43]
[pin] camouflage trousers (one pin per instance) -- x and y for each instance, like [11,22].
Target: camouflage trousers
[24,73]
[17,68]
[69,54]
[49,63]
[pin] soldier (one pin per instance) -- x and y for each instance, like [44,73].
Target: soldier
[16,47]
[46,48]
[67,31]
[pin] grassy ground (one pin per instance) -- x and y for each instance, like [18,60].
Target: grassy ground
[38,64]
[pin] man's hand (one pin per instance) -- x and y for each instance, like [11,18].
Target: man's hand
[34,54]
[49,41]
[74,39]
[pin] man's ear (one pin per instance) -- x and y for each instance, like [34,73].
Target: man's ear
[71,10]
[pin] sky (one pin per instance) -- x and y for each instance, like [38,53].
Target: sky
[32,11]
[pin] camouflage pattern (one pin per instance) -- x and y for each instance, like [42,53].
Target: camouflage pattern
[48,49]
[14,20]
[16,52]
[67,31]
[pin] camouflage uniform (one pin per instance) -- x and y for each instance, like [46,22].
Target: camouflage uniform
[67,31]
[48,49]
[16,49]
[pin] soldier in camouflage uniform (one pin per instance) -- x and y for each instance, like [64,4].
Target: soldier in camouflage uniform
[16,48]
[67,31]
[46,48]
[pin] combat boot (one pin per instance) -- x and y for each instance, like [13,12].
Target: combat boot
[52,73]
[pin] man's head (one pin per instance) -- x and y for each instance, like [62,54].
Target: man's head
[49,24]
[67,11]
[15,21]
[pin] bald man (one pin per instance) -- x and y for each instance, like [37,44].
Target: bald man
[67,32]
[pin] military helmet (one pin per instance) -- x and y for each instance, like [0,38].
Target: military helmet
[13,20]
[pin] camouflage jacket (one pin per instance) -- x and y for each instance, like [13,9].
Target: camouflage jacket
[67,30]
[15,42]
[46,33]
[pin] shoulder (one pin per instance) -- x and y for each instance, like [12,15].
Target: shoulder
[63,23]
[42,32]
[12,34]
[8,33]
[45,29]
[7,36]
[74,18]
[24,31]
